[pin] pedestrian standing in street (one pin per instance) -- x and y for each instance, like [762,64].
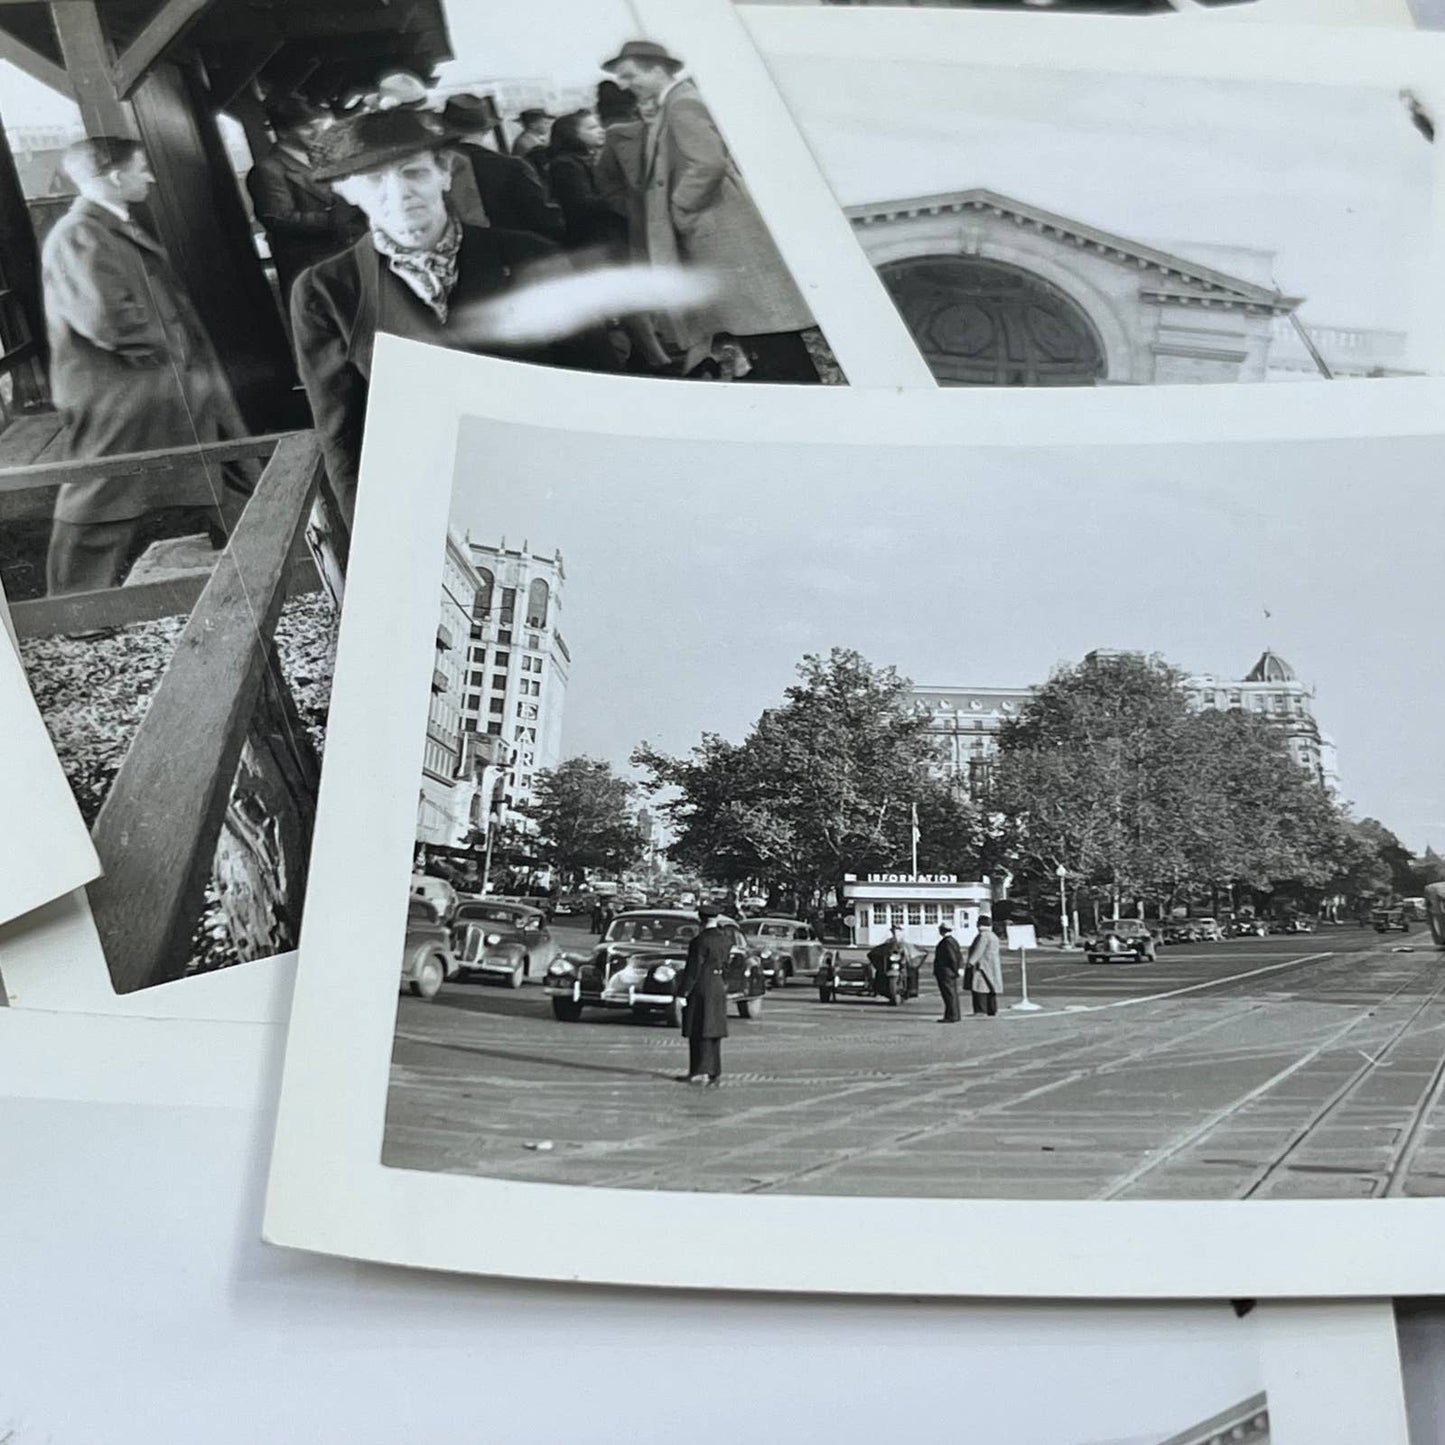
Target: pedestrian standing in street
[983,972]
[947,965]
[696,212]
[705,1000]
[132,370]
[595,921]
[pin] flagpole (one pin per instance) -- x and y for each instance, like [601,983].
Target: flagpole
[915,840]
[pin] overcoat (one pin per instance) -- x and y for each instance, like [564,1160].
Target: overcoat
[509,191]
[947,956]
[131,366]
[697,212]
[338,306]
[304,219]
[705,986]
[590,220]
[983,958]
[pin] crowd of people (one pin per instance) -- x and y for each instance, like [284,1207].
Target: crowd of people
[404,213]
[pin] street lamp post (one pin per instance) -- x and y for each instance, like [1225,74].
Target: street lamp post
[1062,873]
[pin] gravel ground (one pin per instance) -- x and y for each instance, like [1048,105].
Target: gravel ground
[94,692]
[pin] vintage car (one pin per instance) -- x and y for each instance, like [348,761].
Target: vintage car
[437,891]
[427,961]
[851,974]
[1122,939]
[1209,930]
[1179,930]
[638,966]
[501,938]
[1390,919]
[1293,924]
[787,948]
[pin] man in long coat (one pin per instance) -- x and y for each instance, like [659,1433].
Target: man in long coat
[704,991]
[947,964]
[132,370]
[984,969]
[698,213]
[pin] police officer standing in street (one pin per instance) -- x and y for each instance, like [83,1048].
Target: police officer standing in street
[705,995]
[947,965]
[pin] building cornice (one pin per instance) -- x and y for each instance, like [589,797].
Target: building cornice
[1194,284]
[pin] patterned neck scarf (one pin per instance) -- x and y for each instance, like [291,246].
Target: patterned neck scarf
[431,274]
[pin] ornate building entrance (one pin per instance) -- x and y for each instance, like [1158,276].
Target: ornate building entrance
[985,323]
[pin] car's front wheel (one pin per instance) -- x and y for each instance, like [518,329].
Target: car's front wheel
[750,1008]
[429,978]
[569,1010]
[518,975]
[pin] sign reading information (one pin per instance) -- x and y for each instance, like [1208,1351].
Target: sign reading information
[912,878]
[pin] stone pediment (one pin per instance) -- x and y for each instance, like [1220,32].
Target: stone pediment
[1165,277]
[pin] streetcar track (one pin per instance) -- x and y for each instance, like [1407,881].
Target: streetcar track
[1200,1132]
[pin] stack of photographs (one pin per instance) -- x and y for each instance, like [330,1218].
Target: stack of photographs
[945,809]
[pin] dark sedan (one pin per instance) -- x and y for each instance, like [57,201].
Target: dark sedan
[638,966]
[501,939]
[786,948]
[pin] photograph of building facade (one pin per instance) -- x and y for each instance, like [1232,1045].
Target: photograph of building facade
[499,684]
[967,720]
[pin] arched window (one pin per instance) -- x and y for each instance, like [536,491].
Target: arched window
[538,595]
[486,586]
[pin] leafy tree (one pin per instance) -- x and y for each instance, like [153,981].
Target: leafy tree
[584,817]
[823,785]
[1430,868]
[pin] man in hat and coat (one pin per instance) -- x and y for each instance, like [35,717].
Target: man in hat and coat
[983,969]
[697,212]
[132,370]
[414,272]
[704,990]
[947,965]
[304,219]
[531,144]
[507,190]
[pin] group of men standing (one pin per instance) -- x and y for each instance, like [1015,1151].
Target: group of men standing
[393,219]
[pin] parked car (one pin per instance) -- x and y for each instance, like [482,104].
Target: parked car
[571,905]
[501,938]
[1179,931]
[1292,924]
[1121,939]
[427,961]
[852,975]
[1208,930]
[1250,928]
[1390,919]
[437,891]
[786,948]
[638,965]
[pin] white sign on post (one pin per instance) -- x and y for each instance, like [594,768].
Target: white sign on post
[1022,935]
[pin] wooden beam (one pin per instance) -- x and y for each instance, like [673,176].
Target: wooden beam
[145,602]
[34,64]
[158,830]
[89,60]
[165,27]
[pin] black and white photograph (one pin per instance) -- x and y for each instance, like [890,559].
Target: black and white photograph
[1063,830]
[206,216]
[1024,827]
[1059,217]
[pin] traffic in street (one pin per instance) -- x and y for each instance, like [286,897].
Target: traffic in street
[1250,1067]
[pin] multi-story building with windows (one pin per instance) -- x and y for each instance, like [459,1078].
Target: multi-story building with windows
[967,720]
[444,760]
[517,660]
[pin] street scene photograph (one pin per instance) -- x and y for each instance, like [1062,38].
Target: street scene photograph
[1077,226]
[914,822]
[204,224]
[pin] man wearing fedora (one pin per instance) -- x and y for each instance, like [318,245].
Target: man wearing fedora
[697,212]
[415,270]
[531,144]
[506,190]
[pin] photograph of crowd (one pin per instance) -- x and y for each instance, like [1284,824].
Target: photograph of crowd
[205,219]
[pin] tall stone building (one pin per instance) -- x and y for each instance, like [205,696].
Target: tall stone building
[518,663]
[966,720]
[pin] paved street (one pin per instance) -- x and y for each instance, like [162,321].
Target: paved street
[1295,1067]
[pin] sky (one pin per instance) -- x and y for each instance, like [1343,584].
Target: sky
[697,578]
[1335,181]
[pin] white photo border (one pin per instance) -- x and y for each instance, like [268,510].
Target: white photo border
[329,1191]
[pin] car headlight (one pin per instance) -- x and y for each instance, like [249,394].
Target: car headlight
[492,939]
[766,953]
[562,965]
[664,973]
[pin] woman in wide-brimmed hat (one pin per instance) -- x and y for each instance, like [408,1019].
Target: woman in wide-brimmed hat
[417,268]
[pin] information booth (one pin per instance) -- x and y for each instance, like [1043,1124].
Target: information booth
[916,902]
